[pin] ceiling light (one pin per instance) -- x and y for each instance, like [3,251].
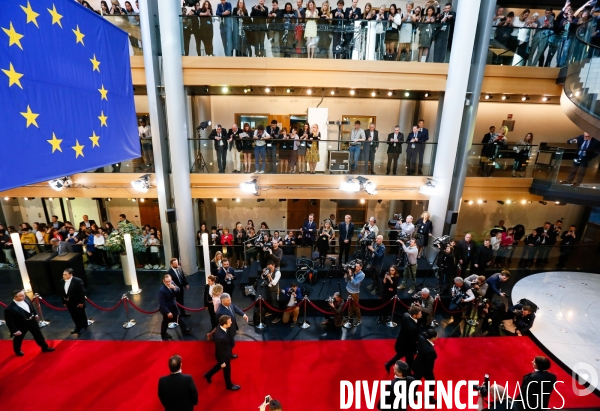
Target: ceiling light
[50,199]
[373,94]
[508,201]
[133,200]
[332,92]
[429,188]
[577,93]
[249,187]
[60,183]
[214,200]
[523,201]
[237,200]
[557,202]
[426,95]
[470,202]
[504,97]
[6,198]
[309,91]
[390,93]
[25,198]
[352,92]
[487,97]
[288,90]
[108,199]
[224,89]
[480,201]
[406,94]
[267,90]
[350,186]
[142,184]
[142,200]
[545,98]
[524,98]
[362,200]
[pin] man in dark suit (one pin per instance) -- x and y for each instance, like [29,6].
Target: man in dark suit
[309,230]
[569,239]
[224,343]
[352,13]
[401,376]
[406,343]
[272,134]
[537,386]
[21,317]
[60,247]
[56,223]
[483,257]
[177,391]
[547,240]
[88,223]
[168,308]
[487,150]
[370,148]
[346,231]
[222,141]
[415,142]
[73,296]
[394,150]
[426,356]
[588,148]
[423,134]
[180,280]
[227,308]
[443,33]
[465,252]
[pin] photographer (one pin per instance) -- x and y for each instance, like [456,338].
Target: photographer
[424,301]
[275,254]
[370,227]
[264,245]
[274,405]
[461,295]
[447,264]
[406,228]
[377,252]
[226,277]
[477,284]
[354,278]
[494,283]
[410,272]
[500,399]
[272,276]
[523,318]
[291,297]
[337,306]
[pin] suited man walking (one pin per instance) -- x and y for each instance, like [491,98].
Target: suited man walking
[177,391]
[224,343]
[401,376]
[370,148]
[73,295]
[537,386]
[406,343]
[346,231]
[227,308]
[426,356]
[21,317]
[588,148]
[168,308]
[180,280]
[394,150]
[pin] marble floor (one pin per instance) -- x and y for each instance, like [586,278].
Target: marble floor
[568,318]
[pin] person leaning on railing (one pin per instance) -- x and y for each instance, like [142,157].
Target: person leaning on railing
[523,150]
[225,25]
[240,34]
[325,38]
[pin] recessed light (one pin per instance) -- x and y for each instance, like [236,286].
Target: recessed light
[309,91]
[332,92]
[268,90]
[406,94]
[142,200]
[470,202]
[133,200]
[479,201]
[27,198]
[523,98]
[6,198]
[504,97]
[523,201]
[288,90]
[426,95]
[237,200]
[373,94]
[352,92]
[545,98]
[224,89]
[508,201]
[390,93]
[51,199]
[362,200]
[487,97]
[214,200]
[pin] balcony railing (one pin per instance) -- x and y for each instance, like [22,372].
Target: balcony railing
[567,166]
[131,25]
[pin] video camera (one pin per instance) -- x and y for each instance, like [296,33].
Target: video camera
[442,242]
[350,265]
[367,239]
[484,388]
[392,222]
[267,246]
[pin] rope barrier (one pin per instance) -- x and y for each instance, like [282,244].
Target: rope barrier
[453,312]
[191,309]
[3,305]
[104,309]
[281,311]
[376,308]
[51,306]
[402,303]
[323,311]
[251,305]
[435,304]
[140,310]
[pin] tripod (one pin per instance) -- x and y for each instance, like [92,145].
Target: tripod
[432,273]
[200,164]
[333,271]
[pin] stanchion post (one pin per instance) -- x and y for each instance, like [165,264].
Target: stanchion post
[42,322]
[305,324]
[16,240]
[130,323]
[260,325]
[135,288]
[206,254]
[391,322]
[348,323]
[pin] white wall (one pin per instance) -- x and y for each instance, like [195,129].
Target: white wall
[31,210]
[12,212]
[122,206]
[85,206]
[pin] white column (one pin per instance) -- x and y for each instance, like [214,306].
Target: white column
[454,101]
[16,240]
[178,130]
[206,256]
[135,288]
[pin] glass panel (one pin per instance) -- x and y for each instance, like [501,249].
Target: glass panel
[494,160]
[131,25]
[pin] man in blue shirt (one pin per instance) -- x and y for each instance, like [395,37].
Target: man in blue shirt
[224,11]
[494,283]
[354,278]
[377,252]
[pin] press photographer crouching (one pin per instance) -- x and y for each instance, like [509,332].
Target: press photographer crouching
[477,284]
[424,301]
[522,317]
[499,399]
[354,277]
[291,297]
[375,260]
[337,306]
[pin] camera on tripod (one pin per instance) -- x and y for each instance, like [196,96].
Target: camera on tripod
[350,265]
[397,219]
[367,239]
[267,246]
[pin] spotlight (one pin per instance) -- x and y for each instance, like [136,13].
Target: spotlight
[108,199]
[480,201]
[142,200]
[523,201]
[426,95]
[214,200]
[249,187]
[406,94]
[352,92]
[133,200]
[203,125]
[267,90]
[428,188]
[288,90]
[470,202]
[524,98]
[26,198]
[487,97]
[504,97]
[60,183]
[237,200]
[6,198]
[224,89]
[142,184]
[373,94]
[508,201]
[332,92]
[545,98]
[390,93]
[350,186]
[309,91]
[362,200]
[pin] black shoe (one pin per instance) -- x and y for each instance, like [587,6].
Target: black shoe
[48,349]
[185,314]
[234,387]
[19,353]
[166,336]
[81,331]
[208,380]
[387,173]
[187,332]
[420,173]
[234,356]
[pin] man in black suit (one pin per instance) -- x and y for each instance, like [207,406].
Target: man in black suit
[180,280]
[222,140]
[537,386]
[21,317]
[423,135]
[346,231]
[309,230]
[426,356]
[352,14]
[224,343]
[415,142]
[406,343]
[569,239]
[487,150]
[394,150]
[547,240]
[588,148]
[168,308]
[56,223]
[401,376]
[272,134]
[88,223]
[443,33]
[370,147]
[465,252]
[73,296]
[60,247]
[227,308]
[177,391]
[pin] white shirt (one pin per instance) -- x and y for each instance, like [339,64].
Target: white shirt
[67,284]
[292,301]
[98,240]
[276,278]
[146,131]
[23,305]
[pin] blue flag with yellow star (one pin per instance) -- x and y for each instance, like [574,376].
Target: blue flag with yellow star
[66,95]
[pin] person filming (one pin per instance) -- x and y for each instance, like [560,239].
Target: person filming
[337,307]
[354,278]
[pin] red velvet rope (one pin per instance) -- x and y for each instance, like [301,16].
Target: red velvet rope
[191,309]
[251,305]
[404,305]
[435,304]
[51,306]
[453,312]
[323,311]
[140,310]
[104,309]
[283,311]
[376,308]
[3,305]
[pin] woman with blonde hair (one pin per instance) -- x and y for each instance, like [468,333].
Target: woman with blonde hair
[216,263]
[312,154]
[310,32]
[217,290]
[406,32]
[423,230]
[302,148]
[324,38]
[211,282]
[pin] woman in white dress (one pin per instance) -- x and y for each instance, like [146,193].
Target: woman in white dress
[310,32]
[406,31]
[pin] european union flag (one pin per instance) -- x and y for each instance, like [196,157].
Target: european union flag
[66,96]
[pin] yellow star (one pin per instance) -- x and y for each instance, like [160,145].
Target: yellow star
[96,64]
[55,16]
[31,15]
[103,119]
[78,149]
[79,35]
[95,139]
[13,76]
[13,36]
[55,143]
[31,117]
[103,92]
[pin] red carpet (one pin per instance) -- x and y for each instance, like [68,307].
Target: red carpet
[304,375]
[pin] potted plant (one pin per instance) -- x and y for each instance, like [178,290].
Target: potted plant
[115,243]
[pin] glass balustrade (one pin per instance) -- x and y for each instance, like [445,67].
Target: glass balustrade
[131,25]
[497,160]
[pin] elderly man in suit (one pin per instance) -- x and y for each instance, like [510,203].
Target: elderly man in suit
[88,223]
[177,391]
[180,280]
[168,308]
[537,386]
[406,343]
[60,247]
[21,317]
[370,148]
[423,135]
[394,149]
[588,148]
[224,343]
[227,308]
[73,296]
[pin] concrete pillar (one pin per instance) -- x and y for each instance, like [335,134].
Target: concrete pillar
[148,11]
[178,131]
[406,116]
[453,104]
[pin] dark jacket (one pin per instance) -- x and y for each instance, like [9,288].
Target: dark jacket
[425,359]
[494,283]
[177,392]
[592,149]
[207,296]
[16,317]
[391,398]
[391,149]
[224,344]
[235,139]
[64,248]
[375,141]
[483,256]
[286,296]
[309,226]
[348,16]
[76,293]
[465,251]
[224,137]
[551,236]
[532,389]
[343,230]
[406,342]
[166,300]
[568,239]
[222,310]
[179,283]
